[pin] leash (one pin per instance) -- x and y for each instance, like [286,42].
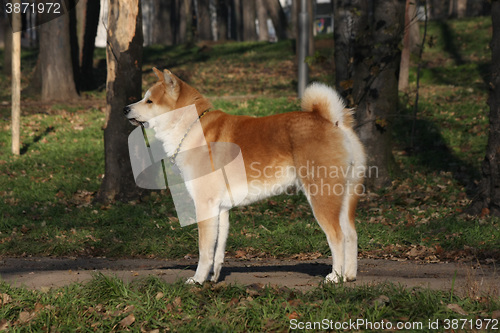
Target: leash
[176,152]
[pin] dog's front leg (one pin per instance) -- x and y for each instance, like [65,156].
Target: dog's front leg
[221,244]
[207,238]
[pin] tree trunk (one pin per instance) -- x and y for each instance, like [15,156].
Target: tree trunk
[203,20]
[237,20]
[74,42]
[415,40]
[278,18]
[487,200]
[347,25]
[163,22]
[262,16]
[438,9]
[88,44]
[249,16]
[7,55]
[180,33]
[375,84]
[222,19]
[458,9]
[124,63]
[55,59]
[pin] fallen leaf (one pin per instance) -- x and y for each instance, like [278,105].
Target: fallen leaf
[293,315]
[233,301]
[5,299]
[128,320]
[159,295]
[177,302]
[38,307]
[240,254]
[4,324]
[457,308]
[25,317]
[295,302]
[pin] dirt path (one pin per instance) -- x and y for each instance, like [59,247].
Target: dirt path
[40,273]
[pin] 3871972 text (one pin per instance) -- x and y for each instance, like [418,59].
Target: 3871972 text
[27,7]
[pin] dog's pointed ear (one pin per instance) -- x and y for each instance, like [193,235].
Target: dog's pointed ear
[159,74]
[172,84]
[169,78]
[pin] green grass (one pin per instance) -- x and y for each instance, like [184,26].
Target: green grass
[108,304]
[46,197]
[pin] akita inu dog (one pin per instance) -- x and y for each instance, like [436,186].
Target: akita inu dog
[315,150]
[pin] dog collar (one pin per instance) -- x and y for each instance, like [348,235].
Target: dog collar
[176,152]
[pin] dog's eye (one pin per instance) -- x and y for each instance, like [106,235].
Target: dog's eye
[149,101]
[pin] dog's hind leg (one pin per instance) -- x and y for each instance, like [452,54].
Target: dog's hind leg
[207,239]
[327,213]
[350,236]
[221,244]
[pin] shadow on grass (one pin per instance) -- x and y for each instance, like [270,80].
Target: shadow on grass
[431,152]
[449,38]
[26,146]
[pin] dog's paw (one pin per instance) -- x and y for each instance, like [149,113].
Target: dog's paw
[191,280]
[334,278]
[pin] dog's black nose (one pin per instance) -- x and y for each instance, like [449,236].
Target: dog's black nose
[126,110]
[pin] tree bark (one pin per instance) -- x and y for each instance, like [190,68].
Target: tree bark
[487,200]
[262,16]
[55,59]
[347,25]
[375,84]
[88,44]
[278,18]
[181,31]
[204,28]
[438,9]
[124,63]
[249,15]
[222,19]
[163,22]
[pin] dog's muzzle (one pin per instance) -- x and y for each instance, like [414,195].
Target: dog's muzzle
[133,121]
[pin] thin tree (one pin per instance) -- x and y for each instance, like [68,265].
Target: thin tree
[487,200]
[124,78]
[16,81]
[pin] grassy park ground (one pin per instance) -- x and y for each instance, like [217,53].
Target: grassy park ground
[46,194]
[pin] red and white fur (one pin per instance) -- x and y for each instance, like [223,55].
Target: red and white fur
[279,151]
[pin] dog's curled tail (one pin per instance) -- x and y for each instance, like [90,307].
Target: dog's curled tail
[319,97]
